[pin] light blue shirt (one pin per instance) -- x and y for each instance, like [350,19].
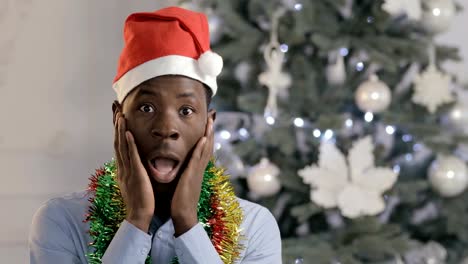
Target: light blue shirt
[59,235]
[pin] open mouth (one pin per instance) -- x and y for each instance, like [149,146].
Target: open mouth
[164,169]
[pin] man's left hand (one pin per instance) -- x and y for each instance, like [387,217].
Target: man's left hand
[187,194]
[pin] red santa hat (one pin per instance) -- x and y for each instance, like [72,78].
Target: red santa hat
[164,42]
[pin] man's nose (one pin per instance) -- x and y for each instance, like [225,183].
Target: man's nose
[165,128]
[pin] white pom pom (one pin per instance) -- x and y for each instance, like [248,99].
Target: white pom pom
[210,63]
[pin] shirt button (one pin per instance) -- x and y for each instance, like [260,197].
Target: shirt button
[159,234]
[144,251]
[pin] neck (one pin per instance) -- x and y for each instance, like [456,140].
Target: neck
[163,197]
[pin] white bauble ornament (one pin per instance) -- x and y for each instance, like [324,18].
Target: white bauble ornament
[458,118]
[263,178]
[242,72]
[411,8]
[448,175]
[373,95]
[438,15]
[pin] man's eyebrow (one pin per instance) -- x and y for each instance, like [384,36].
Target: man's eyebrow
[187,94]
[142,92]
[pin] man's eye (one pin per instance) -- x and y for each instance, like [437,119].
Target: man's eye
[146,108]
[186,111]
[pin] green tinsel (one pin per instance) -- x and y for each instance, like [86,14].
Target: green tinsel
[107,211]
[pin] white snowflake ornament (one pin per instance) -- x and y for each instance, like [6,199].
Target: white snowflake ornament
[412,8]
[354,185]
[274,78]
[432,89]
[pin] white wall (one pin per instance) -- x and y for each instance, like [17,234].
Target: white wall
[57,62]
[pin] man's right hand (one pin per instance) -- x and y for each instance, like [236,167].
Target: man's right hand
[132,178]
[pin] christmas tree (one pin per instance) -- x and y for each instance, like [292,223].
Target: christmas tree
[338,117]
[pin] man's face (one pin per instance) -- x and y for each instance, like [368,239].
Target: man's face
[167,115]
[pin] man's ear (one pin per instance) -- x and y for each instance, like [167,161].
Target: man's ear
[212,114]
[116,107]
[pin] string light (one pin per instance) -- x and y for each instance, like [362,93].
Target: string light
[298,6]
[225,134]
[349,123]
[317,133]
[243,133]
[409,157]
[396,169]
[344,52]
[217,146]
[284,48]
[369,117]
[390,130]
[407,138]
[417,147]
[360,66]
[270,120]
[328,134]
[299,122]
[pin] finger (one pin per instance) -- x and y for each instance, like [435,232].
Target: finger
[194,163]
[208,148]
[197,153]
[117,143]
[123,144]
[135,161]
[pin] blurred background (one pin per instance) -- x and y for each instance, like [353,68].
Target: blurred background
[314,97]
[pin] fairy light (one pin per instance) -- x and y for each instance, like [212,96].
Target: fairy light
[328,134]
[369,117]
[270,120]
[225,135]
[344,52]
[390,130]
[217,146]
[243,132]
[317,133]
[407,138]
[360,66]
[299,122]
[284,48]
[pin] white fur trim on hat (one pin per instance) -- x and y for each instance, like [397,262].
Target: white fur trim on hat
[167,65]
[210,63]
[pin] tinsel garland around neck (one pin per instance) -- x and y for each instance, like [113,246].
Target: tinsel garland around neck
[218,211]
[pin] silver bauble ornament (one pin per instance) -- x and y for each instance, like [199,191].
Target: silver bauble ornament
[263,179]
[458,118]
[438,15]
[448,175]
[373,95]
[215,23]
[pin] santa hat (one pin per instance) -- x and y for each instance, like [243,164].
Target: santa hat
[164,42]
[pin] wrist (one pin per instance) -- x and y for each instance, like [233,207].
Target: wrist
[141,223]
[183,224]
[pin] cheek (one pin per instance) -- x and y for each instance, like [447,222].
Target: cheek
[138,130]
[195,133]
